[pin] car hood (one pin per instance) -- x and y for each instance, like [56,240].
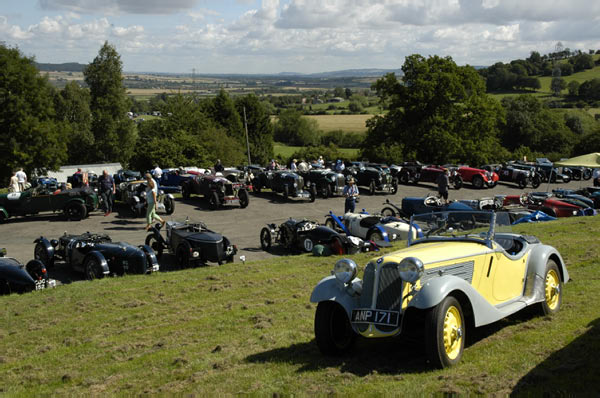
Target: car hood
[204,237]
[436,252]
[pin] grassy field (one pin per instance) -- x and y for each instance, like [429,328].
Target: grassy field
[239,329]
[347,123]
[286,151]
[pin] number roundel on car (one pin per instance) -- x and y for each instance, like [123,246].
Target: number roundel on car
[308,245]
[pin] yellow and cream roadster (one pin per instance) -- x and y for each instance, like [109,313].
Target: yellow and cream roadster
[460,270]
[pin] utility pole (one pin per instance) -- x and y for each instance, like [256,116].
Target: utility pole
[247,142]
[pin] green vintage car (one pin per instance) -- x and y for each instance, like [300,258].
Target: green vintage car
[74,203]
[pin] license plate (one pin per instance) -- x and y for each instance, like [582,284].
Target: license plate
[304,195]
[232,201]
[378,317]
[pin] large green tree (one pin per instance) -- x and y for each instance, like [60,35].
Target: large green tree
[72,105]
[438,113]
[30,137]
[260,128]
[294,129]
[529,123]
[114,133]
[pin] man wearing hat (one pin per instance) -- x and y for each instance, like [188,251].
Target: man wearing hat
[350,193]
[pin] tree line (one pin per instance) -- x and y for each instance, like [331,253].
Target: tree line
[439,112]
[42,128]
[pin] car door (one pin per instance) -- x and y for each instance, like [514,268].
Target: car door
[503,277]
[38,201]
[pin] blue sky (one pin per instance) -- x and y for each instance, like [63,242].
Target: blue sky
[271,36]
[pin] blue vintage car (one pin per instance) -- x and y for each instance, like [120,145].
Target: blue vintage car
[172,179]
[419,205]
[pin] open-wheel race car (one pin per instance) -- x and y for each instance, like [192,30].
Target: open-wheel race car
[133,193]
[304,235]
[192,243]
[461,270]
[18,278]
[96,255]
[372,227]
[217,190]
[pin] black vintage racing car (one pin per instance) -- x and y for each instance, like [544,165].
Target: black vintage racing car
[303,235]
[18,278]
[328,183]
[96,255]
[192,243]
[289,184]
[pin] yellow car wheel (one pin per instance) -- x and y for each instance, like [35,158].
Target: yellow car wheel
[552,289]
[445,333]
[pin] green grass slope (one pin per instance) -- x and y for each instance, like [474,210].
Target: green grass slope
[238,329]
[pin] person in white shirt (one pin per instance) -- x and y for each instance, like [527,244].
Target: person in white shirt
[293,166]
[157,172]
[22,179]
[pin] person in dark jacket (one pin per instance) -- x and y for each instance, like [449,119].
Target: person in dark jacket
[107,190]
[443,181]
[219,166]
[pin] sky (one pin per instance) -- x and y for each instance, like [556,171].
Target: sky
[305,36]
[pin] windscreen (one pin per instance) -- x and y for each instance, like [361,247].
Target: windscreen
[473,225]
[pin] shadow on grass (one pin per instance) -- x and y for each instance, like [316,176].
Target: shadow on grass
[570,371]
[385,356]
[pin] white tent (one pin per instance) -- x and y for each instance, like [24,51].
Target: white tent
[66,171]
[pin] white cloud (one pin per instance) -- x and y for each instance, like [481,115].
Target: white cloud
[114,7]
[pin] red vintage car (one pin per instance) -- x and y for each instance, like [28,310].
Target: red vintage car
[549,205]
[479,178]
[418,173]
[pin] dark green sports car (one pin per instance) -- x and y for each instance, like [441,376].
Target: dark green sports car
[74,203]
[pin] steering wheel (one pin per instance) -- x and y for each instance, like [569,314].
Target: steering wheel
[524,199]
[432,201]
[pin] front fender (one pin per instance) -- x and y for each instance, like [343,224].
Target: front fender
[536,271]
[75,200]
[4,212]
[171,196]
[435,290]
[101,260]
[152,261]
[330,289]
[384,233]
[49,249]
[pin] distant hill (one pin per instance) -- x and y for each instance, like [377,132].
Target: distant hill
[66,67]
[368,72]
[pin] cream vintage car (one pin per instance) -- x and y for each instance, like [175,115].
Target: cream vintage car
[460,270]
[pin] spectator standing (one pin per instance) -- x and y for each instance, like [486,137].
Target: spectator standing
[151,195]
[302,166]
[21,179]
[107,190]
[157,172]
[350,193]
[443,181]
[339,166]
[293,166]
[77,179]
[320,161]
[14,183]
[219,168]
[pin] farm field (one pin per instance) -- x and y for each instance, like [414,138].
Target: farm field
[346,123]
[248,328]
[285,151]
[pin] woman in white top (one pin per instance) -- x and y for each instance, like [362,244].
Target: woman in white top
[151,193]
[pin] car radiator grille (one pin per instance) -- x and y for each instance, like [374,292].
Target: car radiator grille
[300,183]
[461,270]
[389,291]
[228,189]
[341,181]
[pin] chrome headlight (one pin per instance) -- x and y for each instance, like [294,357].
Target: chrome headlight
[345,270]
[411,269]
[295,185]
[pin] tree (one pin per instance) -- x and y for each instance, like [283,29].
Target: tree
[294,129]
[348,92]
[339,92]
[260,128]
[557,85]
[439,113]
[573,87]
[225,114]
[114,133]
[72,106]
[532,125]
[582,62]
[31,137]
